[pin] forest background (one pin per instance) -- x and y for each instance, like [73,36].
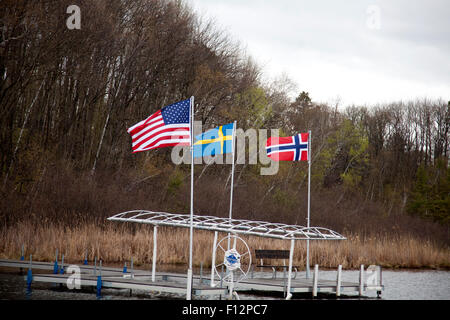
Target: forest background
[380,174]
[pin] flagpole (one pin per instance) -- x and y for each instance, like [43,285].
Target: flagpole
[189,274]
[233,149]
[309,202]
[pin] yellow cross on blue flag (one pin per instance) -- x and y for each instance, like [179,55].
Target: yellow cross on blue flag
[215,141]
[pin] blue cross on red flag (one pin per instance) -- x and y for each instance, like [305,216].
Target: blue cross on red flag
[293,148]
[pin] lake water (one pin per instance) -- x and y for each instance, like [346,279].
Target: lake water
[398,285]
[404,285]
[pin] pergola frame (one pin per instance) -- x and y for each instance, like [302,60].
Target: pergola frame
[211,223]
[236,226]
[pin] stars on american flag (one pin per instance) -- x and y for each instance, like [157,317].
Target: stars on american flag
[176,113]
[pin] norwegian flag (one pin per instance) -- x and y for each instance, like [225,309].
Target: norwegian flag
[293,148]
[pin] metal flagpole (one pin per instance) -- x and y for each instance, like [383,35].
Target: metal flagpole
[189,274]
[233,149]
[309,202]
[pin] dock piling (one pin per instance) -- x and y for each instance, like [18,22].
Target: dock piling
[155,241]
[381,283]
[221,277]
[361,280]
[55,266]
[291,256]
[85,258]
[213,261]
[315,280]
[22,258]
[201,272]
[338,281]
[99,286]
[62,264]
[30,274]
[99,281]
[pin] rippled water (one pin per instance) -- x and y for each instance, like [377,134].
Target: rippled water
[399,285]
[405,285]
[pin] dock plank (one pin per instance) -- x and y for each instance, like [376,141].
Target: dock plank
[115,282]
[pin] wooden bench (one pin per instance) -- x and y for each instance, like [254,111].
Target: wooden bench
[274,255]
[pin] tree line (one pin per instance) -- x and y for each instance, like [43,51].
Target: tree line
[68,96]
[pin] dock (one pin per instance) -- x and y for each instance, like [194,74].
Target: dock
[116,278]
[176,283]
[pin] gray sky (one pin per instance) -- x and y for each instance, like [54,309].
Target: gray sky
[358,51]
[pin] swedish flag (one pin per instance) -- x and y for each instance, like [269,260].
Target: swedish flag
[215,141]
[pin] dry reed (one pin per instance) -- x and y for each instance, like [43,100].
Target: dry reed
[116,243]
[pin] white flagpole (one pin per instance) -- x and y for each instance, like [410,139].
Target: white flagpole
[233,149]
[189,274]
[309,202]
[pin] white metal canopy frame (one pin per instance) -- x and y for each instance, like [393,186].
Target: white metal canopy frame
[249,227]
[231,226]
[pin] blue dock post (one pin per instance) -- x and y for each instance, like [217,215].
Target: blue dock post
[86,259]
[22,257]
[29,275]
[29,279]
[125,268]
[62,265]
[99,286]
[99,282]
[55,266]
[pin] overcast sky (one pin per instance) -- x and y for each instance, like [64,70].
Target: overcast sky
[359,51]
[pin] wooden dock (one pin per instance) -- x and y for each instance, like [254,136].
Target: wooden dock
[176,283]
[115,278]
[297,285]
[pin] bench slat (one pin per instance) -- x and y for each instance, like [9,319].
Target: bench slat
[270,266]
[272,254]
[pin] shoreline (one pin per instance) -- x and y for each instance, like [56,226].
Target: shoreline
[116,244]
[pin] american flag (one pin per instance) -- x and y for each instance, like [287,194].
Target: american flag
[293,148]
[167,127]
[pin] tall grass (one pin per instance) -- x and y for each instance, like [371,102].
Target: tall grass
[115,242]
